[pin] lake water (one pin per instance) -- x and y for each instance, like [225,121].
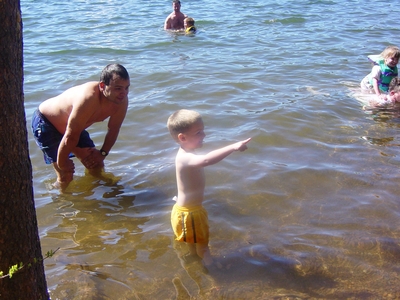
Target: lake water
[310,211]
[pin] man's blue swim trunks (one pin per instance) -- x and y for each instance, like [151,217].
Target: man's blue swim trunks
[48,138]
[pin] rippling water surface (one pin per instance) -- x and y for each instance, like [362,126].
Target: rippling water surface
[310,211]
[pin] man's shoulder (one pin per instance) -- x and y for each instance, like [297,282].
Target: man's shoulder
[86,86]
[182,15]
[84,92]
[90,84]
[171,15]
[91,87]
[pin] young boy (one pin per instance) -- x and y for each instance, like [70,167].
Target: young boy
[189,219]
[391,98]
[189,26]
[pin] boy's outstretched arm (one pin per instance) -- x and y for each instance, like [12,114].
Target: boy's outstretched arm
[217,155]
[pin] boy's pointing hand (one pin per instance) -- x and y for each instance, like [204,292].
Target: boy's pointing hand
[241,146]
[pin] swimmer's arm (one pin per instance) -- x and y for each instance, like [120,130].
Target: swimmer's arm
[216,156]
[167,23]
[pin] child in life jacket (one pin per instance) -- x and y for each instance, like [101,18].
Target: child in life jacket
[383,71]
[391,98]
[189,25]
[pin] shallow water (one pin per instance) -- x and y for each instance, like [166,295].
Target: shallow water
[309,211]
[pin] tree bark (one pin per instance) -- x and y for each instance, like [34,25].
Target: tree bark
[19,236]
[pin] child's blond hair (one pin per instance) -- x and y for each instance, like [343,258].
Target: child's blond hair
[189,21]
[181,120]
[391,51]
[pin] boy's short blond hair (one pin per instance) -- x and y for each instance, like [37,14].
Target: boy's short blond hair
[391,51]
[181,120]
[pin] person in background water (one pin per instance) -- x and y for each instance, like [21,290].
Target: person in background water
[391,98]
[383,71]
[175,21]
[189,26]
[59,123]
[189,219]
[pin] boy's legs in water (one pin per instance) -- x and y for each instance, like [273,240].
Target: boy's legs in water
[202,251]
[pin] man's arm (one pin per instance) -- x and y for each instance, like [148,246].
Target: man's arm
[114,126]
[217,155]
[167,23]
[77,120]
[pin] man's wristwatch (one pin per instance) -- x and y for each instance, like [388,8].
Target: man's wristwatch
[104,153]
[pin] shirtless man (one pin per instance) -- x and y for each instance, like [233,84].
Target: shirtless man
[175,20]
[59,123]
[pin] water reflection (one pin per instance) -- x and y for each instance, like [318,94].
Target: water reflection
[94,230]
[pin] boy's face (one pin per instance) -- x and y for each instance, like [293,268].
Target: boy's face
[391,61]
[193,137]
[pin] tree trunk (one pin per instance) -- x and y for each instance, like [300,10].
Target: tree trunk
[19,237]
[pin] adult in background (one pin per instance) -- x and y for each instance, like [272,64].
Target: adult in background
[59,123]
[175,20]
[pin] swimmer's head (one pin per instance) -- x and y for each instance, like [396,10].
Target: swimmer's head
[394,89]
[394,85]
[176,5]
[188,22]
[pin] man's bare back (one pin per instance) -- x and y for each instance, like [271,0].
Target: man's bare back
[85,99]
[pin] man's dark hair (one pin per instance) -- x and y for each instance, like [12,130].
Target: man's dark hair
[111,69]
